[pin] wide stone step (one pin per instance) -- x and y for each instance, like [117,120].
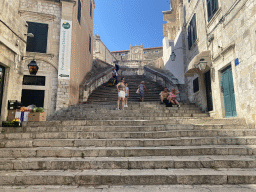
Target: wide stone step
[130,177]
[131,188]
[69,152]
[108,134]
[174,120]
[149,162]
[177,130]
[128,142]
[134,117]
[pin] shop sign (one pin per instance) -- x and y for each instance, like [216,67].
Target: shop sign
[65,49]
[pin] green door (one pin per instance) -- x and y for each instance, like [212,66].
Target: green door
[228,92]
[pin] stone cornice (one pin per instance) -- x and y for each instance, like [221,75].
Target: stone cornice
[40,14]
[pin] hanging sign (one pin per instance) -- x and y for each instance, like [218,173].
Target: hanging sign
[65,49]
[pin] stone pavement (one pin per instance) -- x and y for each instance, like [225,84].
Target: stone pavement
[137,188]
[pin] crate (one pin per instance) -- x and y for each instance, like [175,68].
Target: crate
[11,124]
[37,116]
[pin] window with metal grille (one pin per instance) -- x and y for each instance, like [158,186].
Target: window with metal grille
[90,43]
[33,80]
[38,43]
[195,85]
[192,33]
[212,7]
[79,11]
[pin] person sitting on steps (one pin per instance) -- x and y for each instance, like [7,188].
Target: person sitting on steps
[164,95]
[172,97]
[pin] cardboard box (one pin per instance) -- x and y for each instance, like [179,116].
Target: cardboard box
[37,116]
[23,116]
[11,114]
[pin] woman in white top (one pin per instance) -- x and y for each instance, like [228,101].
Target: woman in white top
[126,95]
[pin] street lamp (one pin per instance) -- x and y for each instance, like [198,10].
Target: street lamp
[202,65]
[173,56]
[32,67]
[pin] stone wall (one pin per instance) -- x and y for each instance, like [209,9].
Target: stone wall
[60,93]
[12,48]
[139,53]
[100,51]
[233,31]
[100,74]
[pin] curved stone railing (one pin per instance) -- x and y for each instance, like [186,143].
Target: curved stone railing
[165,80]
[90,85]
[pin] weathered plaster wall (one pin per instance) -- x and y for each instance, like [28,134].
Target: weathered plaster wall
[12,46]
[233,38]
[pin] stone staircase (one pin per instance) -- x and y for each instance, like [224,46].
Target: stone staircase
[146,144]
[108,94]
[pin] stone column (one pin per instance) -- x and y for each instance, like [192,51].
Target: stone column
[64,84]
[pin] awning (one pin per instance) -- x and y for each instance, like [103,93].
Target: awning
[192,67]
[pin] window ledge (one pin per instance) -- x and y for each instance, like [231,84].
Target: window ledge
[214,17]
[42,55]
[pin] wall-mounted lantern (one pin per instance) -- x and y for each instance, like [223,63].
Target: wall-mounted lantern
[33,68]
[173,56]
[202,64]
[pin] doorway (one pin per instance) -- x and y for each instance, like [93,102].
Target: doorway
[228,92]
[208,88]
[2,73]
[32,97]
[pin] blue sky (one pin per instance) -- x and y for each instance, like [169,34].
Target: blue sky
[123,22]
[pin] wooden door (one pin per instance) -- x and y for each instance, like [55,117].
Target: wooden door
[228,92]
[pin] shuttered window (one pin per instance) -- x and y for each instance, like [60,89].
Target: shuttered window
[90,44]
[79,12]
[212,7]
[91,9]
[38,43]
[192,33]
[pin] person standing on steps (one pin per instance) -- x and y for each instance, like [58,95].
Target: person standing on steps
[114,75]
[121,93]
[126,95]
[141,88]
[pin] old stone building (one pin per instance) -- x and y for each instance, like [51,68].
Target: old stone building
[62,47]
[132,61]
[13,37]
[101,52]
[218,50]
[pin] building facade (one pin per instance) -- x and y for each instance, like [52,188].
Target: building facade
[219,55]
[62,47]
[132,61]
[60,40]
[13,31]
[101,52]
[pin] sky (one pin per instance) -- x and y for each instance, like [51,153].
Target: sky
[121,23]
